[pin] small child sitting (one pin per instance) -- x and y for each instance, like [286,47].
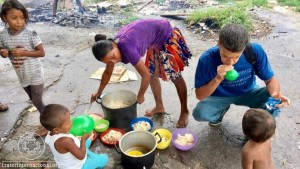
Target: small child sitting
[69,152]
[259,126]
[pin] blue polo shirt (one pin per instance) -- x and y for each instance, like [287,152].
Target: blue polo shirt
[211,59]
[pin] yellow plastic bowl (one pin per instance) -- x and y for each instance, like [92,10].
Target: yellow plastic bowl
[163,138]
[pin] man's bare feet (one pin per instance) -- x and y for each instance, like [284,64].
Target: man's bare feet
[183,120]
[155,110]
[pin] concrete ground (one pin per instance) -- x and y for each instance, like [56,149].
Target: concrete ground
[69,63]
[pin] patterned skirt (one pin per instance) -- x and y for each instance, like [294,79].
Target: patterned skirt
[168,62]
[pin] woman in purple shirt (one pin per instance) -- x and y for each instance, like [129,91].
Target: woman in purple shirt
[166,56]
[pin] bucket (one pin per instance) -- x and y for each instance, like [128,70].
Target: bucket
[119,108]
[142,142]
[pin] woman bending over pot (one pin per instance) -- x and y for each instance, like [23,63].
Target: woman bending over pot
[166,56]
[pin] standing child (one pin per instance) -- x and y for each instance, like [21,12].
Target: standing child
[259,126]
[24,48]
[69,152]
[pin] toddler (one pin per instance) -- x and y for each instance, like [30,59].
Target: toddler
[69,152]
[259,126]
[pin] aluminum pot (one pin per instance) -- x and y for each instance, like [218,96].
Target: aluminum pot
[119,108]
[143,141]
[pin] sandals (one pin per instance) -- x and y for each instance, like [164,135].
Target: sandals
[3,107]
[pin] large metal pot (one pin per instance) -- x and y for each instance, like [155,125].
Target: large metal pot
[119,108]
[143,141]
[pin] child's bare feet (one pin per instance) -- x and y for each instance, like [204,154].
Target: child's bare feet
[183,120]
[155,110]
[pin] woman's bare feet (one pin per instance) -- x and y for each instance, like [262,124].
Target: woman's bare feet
[155,110]
[183,120]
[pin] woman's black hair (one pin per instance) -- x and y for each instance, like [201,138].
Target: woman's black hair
[102,46]
[13,4]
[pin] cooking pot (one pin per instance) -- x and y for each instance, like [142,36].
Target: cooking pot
[142,141]
[119,108]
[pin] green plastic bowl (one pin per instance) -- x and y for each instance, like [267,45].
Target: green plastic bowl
[80,124]
[101,125]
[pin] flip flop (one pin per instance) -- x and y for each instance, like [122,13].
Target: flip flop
[3,107]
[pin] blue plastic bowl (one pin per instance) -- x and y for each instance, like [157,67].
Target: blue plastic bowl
[138,119]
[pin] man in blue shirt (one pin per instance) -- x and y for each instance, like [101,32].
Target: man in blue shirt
[216,93]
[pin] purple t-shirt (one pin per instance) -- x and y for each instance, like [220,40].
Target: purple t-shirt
[136,37]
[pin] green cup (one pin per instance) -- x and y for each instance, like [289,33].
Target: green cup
[231,75]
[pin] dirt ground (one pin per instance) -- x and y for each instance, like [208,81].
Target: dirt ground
[69,63]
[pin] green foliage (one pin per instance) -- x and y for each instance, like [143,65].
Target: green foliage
[295,3]
[222,16]
[128,19]
[260,2]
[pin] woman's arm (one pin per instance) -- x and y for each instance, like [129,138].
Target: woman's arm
[146,77]
[104,80]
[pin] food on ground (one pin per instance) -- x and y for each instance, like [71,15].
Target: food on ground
[142,125]
[95,117]
[135,153]
[112,137]
[184,140]
[100,126]
[117,104]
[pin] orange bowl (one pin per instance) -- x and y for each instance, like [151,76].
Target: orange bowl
[111,136]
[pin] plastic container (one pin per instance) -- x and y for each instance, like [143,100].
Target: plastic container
[101,125]
[165,137]
[80,124]
[140,124]
[182,132]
